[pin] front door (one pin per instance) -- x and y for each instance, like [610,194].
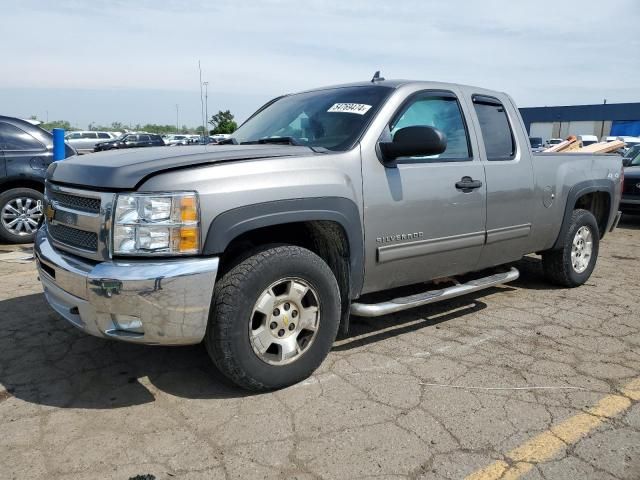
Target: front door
[421,222]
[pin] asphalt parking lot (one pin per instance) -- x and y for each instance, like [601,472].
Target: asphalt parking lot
[523,381]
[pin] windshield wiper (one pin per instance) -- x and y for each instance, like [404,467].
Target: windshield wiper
[279,140]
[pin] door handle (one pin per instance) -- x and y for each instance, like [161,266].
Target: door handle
[468,184]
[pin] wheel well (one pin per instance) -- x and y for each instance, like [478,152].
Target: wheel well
[327,239]
[22,183]
[599,204]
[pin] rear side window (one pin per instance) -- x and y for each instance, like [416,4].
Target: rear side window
[13,138]
[103,135]
[144,138]
[498,137]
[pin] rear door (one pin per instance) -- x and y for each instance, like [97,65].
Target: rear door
[89,139]
[144,141]
[420,223]
[506,155]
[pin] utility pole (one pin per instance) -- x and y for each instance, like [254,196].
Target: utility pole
[206,108]
[204,129]
[177,118]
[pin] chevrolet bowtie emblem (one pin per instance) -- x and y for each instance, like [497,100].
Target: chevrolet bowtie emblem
[285,320]
[49,212]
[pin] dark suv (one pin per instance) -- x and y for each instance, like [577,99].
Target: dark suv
[26,151]
[131,140]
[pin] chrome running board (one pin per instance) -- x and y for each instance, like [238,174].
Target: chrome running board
[432,296]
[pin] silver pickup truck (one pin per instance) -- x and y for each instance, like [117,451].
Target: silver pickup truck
[262,247]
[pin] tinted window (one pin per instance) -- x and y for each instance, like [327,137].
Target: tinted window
[144,138]
[496,131]
[103,135]
[131,138]
[89,135]
[74,135]
[441,111]
[13,138]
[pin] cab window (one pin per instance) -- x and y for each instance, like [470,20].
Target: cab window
[13,138]
[499,141]
[440,110]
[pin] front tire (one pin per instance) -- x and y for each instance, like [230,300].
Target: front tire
[274,318]
[20,214]
[572,265]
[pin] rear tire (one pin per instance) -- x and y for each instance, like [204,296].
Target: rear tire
[21,212]
[251,345]
[572,264]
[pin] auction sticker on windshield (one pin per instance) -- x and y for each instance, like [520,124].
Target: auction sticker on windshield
[357,108]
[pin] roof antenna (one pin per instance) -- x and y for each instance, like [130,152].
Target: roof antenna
[377,77]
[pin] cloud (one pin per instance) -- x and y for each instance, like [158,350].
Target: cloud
[542,52]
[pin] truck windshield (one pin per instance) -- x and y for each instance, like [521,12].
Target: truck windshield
[333,119]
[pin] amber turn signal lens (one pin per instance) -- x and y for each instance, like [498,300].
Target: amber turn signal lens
[188,240]
[188,209]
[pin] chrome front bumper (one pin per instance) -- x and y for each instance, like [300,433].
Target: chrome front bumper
[143,301]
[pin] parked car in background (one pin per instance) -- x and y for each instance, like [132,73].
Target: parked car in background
[26,151]
[537,145]
[553,141]
[85,141]
[630,202]
[177,139]
[587,139]
[131,140]
[219,137]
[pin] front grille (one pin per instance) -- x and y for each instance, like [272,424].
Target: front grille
[631,186]
[84,204]
[74,237]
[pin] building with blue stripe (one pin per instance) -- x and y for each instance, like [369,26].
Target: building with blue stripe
[607,119]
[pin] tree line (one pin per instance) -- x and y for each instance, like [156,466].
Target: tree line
[221,122]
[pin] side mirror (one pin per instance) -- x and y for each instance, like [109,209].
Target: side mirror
[417,141]
[626,162]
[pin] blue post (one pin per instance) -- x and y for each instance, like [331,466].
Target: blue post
[58,144]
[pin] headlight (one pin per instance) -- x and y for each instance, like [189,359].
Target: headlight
[156,224]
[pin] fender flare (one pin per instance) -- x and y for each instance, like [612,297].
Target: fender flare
[577,191]
[230,224]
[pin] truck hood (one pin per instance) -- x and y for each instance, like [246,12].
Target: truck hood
[125,169]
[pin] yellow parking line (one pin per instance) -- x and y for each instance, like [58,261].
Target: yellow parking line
[544,446]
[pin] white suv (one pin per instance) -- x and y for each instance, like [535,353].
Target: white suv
[85,141]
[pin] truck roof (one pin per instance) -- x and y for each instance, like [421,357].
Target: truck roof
[397,83]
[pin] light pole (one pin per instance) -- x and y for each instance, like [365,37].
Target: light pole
[206,109]
[204,129]
[177,118]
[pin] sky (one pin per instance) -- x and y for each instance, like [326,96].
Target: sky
[104,61]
